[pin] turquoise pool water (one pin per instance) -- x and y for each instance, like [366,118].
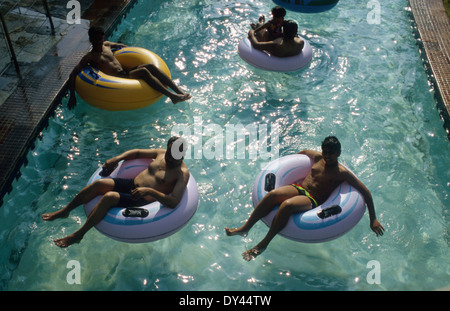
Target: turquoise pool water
[366,84]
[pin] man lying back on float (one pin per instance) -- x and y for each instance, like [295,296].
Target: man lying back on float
[325,175]
[102,58]
[164,180]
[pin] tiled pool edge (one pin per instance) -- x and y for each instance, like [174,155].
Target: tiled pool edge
[26,111]
[433,30]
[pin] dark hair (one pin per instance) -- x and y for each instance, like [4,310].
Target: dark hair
[95,31]
[290,29]
[278,11]
[180,143]
[332,144]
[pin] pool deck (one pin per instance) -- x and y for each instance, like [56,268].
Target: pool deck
[26,109]
[25,112]
[433,27]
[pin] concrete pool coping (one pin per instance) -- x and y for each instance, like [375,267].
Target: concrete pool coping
[26,111]
[433,28]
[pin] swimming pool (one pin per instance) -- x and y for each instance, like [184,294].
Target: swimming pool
[366,85]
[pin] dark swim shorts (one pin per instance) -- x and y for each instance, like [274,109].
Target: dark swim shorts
[302,191]
[124,186]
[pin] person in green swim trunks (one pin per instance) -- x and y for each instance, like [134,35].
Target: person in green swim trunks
[325,175]
[303,191]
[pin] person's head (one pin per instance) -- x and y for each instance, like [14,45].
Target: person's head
[278,13]
[176,149]
[331,149]
[96,35]
[290,29]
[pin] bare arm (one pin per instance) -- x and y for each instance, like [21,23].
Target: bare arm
[268,46]
[358,185]
[312,154]
[130,155]
[113,45]
[76,70]
[169,200]
[263,26]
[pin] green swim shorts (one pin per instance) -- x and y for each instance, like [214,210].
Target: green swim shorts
[302,191]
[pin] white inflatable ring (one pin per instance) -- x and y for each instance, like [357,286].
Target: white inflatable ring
[161,221]
[308,226]
[266,61]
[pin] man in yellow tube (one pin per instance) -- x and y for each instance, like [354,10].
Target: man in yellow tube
[102,58]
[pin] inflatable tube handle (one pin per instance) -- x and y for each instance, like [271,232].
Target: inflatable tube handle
[107,172]
[135,212]
[269,182]
[91,73]
[329,211]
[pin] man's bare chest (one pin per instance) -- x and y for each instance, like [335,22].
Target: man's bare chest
[325,177]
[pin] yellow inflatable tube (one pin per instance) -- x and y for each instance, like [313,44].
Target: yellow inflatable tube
[114,93]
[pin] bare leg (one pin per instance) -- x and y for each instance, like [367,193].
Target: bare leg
[158,80]
[99,211]
[89,192]
[163,78]
[289,207]
[265,206]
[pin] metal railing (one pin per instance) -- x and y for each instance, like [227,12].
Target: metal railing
[16,8]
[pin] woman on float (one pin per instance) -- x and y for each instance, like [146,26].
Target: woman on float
[102,57]
[164,180]
[287,45]
[326,174]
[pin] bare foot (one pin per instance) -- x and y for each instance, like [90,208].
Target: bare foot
[55,215]
[67,241]
[231,232]
[180,98]
[252,253]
